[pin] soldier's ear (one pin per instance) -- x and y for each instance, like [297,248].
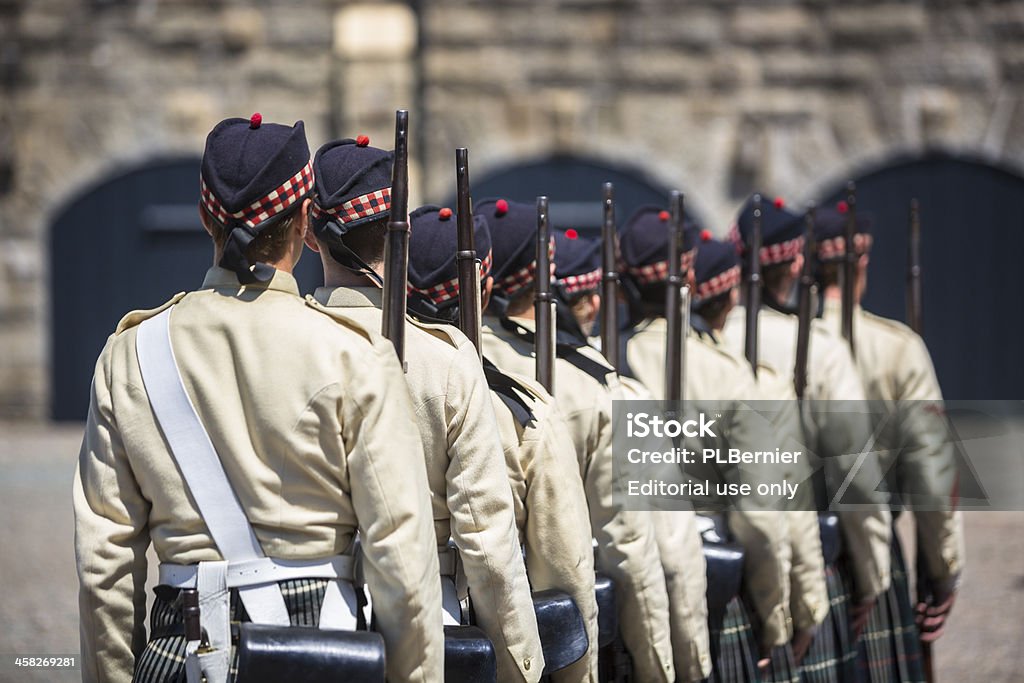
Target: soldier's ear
[303,223]
[311,241]
[485,298]
[204,218]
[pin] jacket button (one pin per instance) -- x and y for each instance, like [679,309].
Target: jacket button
[526,663]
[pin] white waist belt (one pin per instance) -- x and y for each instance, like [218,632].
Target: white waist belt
[261,571]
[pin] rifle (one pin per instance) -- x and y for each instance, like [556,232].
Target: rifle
[805,294]
[753,287]
[396,246]
[609,282]
[914,296]
[468,264]
[849,265]
[544,303]
[677,303]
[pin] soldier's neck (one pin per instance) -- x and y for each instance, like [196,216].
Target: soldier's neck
[336,275]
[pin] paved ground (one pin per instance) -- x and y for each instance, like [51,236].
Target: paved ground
[39,610]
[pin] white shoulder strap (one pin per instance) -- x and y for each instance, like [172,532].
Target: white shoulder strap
[192,449]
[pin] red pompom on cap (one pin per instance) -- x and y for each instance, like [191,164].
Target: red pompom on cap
[842,207]
[571,234]
[705,235]
[362,141]
[444,214]
[255,120]
[500,207]
[779,202]
[664,216]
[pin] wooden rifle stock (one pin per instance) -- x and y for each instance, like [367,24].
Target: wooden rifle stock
[396,249]
[543,303]
[805,295]
[849,266]
[609,282]
[915,317]
[677,305]
[753,286]
[466,259]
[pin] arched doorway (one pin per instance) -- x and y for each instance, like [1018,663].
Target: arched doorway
[130,241]
[573,185]
[972,243]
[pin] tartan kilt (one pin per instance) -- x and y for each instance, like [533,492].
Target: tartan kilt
[734,649]
[832,656]
[163,660]
[783,668]
[889,650]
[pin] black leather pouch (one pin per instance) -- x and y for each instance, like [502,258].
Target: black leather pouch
[271,654]
[468,656]
[725,574]
[563,635]
[831,537]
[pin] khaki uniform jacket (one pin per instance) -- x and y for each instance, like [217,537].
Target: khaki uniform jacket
[310,417]
[627,549]
[714,375]
[551,510]
[808,593]
[682,558]
[897,370]
[469,490]
[831,376]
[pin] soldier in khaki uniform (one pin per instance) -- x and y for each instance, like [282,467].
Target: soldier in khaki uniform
[897,373]
[547,491]
[716,376]
[470,494]
[577,278]
[831,376]
[307,413]
[584,389]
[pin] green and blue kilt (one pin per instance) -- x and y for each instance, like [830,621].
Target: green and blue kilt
[783,668]
[163,660]
[889,650]
[733,645]
[832,657]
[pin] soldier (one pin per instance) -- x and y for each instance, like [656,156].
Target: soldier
[897,373]
[550,505]
[716,376]
[306,430]
[470,494]
[717,274]
[835,437]
[577,278]
[584,389]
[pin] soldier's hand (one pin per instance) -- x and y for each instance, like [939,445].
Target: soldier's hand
[931,616]
[802,642]
[859,616]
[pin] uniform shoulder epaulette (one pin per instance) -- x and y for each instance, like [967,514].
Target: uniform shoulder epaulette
[137,317]
[338,315]
[446,333]
[892,325]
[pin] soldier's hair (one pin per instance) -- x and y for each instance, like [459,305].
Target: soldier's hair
[775,274]
[828,274]
[711,310]
[367,241]
[270,244]
[521,302]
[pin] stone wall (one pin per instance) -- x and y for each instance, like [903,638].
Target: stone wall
[717,97]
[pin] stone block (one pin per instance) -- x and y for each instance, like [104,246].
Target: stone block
[876,24]
[375,31]
[771,25]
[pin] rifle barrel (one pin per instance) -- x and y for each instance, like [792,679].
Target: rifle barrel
[396,261]
[609,282]
[674,299]
[806,291]
[915,302]
[466,259]
[753,287]
[543,302]
[849,266]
